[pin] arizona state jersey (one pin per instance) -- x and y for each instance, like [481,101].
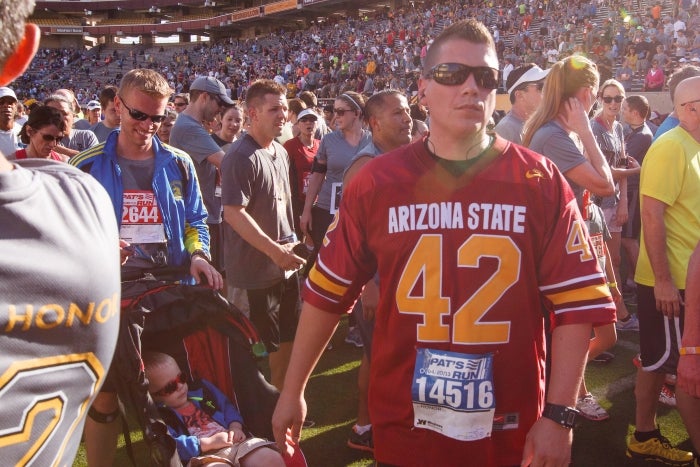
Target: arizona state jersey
[59,308]
[469,267]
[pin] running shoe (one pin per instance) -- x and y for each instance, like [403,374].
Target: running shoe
[353,337]
[363,442]
[658,449]
[631,324]
[591,409]
[667,396]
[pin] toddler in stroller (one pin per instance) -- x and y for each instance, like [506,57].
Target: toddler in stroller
[207,427]
[209,339]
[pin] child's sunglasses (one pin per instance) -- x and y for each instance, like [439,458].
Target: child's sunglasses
[172,386]
[454,74]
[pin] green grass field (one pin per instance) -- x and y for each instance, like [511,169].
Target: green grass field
[332,404]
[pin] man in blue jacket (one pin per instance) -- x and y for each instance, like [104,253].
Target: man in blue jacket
[159,209]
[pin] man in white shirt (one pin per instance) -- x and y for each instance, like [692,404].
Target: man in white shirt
[9,129]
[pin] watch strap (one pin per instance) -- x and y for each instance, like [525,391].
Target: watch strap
[561,414]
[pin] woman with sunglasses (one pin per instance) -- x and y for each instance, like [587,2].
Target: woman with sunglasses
[336,151]
[610,137]
[560,130]
[43,131]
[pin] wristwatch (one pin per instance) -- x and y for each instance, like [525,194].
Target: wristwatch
[561,414]
[202,253]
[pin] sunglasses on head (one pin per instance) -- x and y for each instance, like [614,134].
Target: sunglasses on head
[341,112]
[454,74]
[171,386]
[49,138]
[140,116]
[609,99]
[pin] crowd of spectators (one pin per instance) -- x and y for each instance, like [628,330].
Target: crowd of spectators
[631,40]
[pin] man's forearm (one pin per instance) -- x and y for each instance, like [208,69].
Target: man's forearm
[569,351]
[313,333]
[249,230]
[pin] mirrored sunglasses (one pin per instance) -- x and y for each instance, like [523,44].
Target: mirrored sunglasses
[454,74]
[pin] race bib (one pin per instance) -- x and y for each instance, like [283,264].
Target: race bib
[141,219]
[453,394]
[336,194]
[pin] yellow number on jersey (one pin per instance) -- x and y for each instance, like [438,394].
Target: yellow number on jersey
[425,265]
[576,243]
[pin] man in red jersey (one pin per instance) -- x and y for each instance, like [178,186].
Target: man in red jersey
[469,235]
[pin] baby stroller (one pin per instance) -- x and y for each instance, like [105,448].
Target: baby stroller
[208,337]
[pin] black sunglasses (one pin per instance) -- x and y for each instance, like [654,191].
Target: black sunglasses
[609,99]
[50,138]
[180,104]
[454,74]
[140,116]
[307,119]
[341,112]
[171,387]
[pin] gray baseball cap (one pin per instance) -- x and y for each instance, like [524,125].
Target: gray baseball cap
[212,86]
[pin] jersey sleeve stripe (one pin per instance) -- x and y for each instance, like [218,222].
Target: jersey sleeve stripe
[311,291]
[328,272]
[576,280]
[590,306]
[320,281]
[588,293]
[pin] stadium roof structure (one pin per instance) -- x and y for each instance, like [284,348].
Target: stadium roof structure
[167,17]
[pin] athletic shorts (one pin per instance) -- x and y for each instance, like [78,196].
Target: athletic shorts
[633,226]
[659,336]
[274,311]
[231,455]
[611,219]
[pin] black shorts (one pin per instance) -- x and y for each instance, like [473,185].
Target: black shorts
[215,246]
[274,312]
[633,226]
[659,336]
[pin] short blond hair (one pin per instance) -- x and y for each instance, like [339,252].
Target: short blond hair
[147,81]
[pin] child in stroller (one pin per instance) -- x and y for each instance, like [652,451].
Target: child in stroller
[207,427]
[209,339]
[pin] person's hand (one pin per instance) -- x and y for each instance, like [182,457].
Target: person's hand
[689,375]
[547,444]
[199,265]
[305,223]
[370,299]
[124,251]
[285,258]
[236,434]
[668,299]
[632,163]
[287,421]
[215,442]
[575,116]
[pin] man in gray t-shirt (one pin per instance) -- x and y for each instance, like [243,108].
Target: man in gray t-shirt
[259,229]
[207,98]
